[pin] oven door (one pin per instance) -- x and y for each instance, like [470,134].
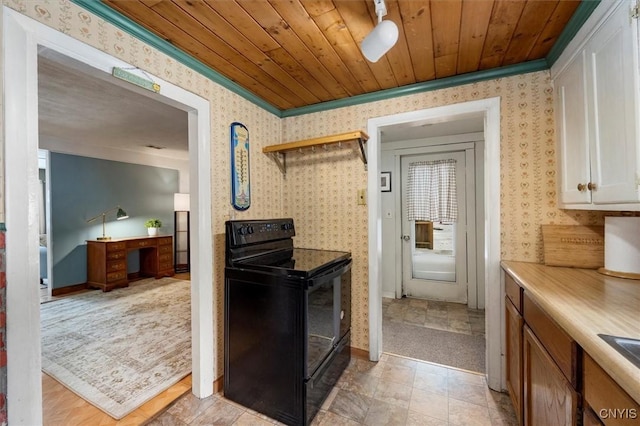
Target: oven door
[328,313]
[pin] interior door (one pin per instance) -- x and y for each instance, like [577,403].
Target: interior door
[434,252]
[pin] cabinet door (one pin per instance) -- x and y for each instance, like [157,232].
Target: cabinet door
[573,138]
[613,72]
[513,339]
[549,399]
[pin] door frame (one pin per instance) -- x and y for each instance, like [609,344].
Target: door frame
[490,109]
[21,38]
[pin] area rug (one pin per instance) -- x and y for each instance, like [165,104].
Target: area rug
[119,349]
[442,347]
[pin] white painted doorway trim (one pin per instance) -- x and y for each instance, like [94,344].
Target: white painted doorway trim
[490,109]
[21,37]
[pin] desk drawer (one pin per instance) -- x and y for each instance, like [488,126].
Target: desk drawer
[117,265]
[165,241]
[165,249]
[140,243]
[115,255]
[116,276]
[167,257]
[163,266]
[116,246]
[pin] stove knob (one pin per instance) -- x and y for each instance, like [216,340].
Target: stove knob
[242,230]
[249,229]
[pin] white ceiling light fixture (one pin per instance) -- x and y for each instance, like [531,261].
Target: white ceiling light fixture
[382,37]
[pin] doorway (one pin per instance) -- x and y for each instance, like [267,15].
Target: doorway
[22,39]
[434,226]
[489,110]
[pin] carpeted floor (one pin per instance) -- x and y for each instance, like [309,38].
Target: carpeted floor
[444,333]
[119,349]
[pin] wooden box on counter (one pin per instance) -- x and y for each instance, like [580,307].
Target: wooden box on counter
[107,260]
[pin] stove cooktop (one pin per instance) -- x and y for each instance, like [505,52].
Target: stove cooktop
[298,261]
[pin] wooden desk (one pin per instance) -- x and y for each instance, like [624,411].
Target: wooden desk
[107,260]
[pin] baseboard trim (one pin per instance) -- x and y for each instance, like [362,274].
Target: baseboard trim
[359,353]
[218,384]
[69,289]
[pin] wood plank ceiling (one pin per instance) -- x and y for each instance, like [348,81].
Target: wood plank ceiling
[296,53]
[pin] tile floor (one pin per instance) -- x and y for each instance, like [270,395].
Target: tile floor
[394,391]
[454,317]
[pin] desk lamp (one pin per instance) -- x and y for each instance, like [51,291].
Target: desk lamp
[121,214]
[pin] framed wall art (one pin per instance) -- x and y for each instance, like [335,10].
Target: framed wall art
[240,173]
[385,181]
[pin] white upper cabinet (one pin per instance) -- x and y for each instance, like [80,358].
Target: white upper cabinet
[597,114]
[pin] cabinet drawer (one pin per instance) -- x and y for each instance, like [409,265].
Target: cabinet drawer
[116,246]
[607,399]
[165,249]
[164,266]
[118,265]
[165,241]
[167,257]
[140,243]
[513,292]
[116,276]
[562,349]
[115,255]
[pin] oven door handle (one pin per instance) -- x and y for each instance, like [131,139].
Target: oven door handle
[330,274]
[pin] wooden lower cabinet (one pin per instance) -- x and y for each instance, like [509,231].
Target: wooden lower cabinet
[589,418]
[549,398]
[513,356]
[610,403]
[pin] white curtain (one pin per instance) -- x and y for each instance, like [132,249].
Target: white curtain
[431,191]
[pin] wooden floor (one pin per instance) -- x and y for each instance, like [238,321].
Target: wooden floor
[61,407]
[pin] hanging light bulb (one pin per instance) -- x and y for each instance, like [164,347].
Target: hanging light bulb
[382,38]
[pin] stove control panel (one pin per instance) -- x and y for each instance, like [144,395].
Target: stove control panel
[244,232]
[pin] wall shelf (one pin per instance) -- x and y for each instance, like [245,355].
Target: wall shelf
[278,152]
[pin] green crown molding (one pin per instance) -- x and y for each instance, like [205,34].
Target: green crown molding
[110,15]
[441,83]
[580,16]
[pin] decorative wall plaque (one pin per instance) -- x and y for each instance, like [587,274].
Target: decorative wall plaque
[240,180]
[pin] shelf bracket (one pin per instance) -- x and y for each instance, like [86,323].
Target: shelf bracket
[280,160]
[363,153]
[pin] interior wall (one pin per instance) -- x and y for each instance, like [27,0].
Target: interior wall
[81,188]
[226,108]
[527,168]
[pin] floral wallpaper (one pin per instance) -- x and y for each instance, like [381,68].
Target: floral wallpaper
[320,190]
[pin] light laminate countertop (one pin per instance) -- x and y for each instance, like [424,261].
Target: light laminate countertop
[586,303]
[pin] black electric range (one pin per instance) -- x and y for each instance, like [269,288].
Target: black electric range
[287,320]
